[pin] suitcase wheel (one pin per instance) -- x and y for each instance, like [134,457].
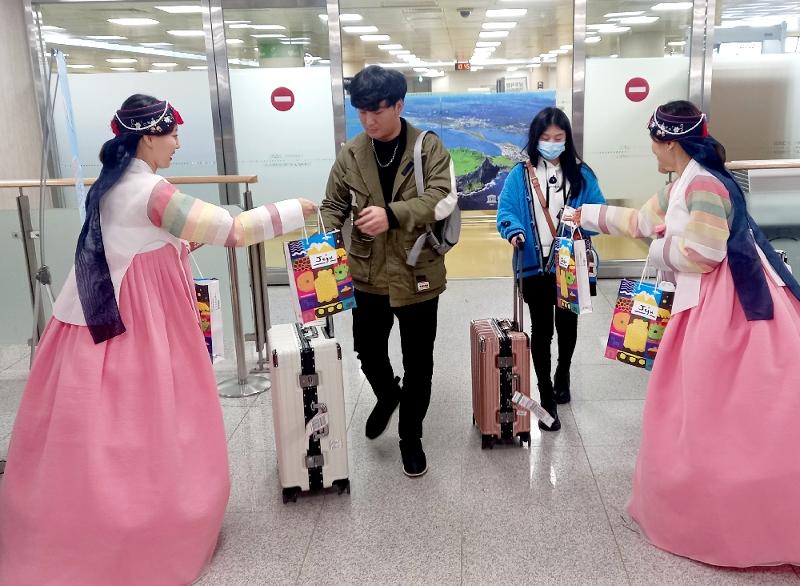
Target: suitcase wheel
[343,485]
[487,441]
[290,494]
[525,437]
[473,421]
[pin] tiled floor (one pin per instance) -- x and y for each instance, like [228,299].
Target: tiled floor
[549,514]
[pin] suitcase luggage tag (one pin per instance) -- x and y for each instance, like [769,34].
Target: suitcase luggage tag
[317,426]
[533,407]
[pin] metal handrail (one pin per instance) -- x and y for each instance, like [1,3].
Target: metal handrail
[187,180]
[773,164]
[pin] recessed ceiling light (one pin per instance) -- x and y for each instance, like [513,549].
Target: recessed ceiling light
[638,20]
[186,33]
[495,26]
[295,42]
[181,9]
[566,47]
[344,17]
[121,60]
[623,14]
[593,40]
[106,37]
[506,12]
[269,36]
[198,67]
[514,68]
[488,44]
[615,56]
[122,68]
[156,44]
[360,30]
[237,22]
[52,29]
[157,71]
[534,66]
[390,47]
[677,43]
[234,41]
[421,69]
[559,52]
[375,38]
[493,34]
[400,52]
[665,6]
[164,64]
[266,27]
[133,21]
[80,66]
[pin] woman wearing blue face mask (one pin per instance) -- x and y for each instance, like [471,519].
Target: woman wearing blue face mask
[528,216]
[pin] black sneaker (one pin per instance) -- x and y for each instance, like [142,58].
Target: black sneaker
[556,424]
[561,386]
[382,412]
[414,462]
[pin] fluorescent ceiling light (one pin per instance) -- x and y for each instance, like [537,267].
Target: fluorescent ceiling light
[51,28]
[133,21]
[421,69]
[344,17]
[534,66]
[623,14]
[122,68]
[666,6]
[677,43]
[566,47]
[298,39]
[187,33]
[156,71]
[269,36]
[165,64]
[593,40]
[375,38]
[80,66]
[615,56]
[559,52]
[360,30]
[488,43]
[267,27]
[608,28]
[400,52]
[121,60]
[496,26]
[493,34]
[506,13]
[198,67]
[235,41]
[390,47]
[638,20]
[118,48]
[156,44]
[106,37]
[243,24]
[476,68]
[515,68]
[181,9]
[237,22]
[295,42]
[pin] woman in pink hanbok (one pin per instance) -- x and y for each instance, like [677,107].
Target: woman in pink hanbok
[117,469]
[717,473]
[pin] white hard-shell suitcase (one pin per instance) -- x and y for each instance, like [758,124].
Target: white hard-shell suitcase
[308,409]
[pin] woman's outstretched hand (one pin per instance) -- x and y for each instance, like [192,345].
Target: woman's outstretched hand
[309,207]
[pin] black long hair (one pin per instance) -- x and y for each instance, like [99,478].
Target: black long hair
[92,275]
[569,159]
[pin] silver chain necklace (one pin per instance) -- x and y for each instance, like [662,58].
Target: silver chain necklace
[377,160]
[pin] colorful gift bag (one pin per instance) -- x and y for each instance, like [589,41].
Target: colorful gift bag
[209,305]
[572,274]
[640,317]
[319,276]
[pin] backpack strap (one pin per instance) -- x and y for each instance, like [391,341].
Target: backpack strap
[419,179]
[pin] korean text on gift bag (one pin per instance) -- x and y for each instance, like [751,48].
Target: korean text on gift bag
[209,305]
[319,276]
[572,274]
[640,318]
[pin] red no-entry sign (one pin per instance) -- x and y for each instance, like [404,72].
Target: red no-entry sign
[282,99]
[637,89]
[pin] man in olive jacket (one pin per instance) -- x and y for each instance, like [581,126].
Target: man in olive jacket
[372,181]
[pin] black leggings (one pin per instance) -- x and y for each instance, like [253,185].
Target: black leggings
[539,292]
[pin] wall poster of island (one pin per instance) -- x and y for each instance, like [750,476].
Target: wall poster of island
[485,134]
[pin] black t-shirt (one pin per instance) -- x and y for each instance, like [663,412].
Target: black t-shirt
[385,152]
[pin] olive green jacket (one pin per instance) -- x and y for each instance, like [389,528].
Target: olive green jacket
[379,265]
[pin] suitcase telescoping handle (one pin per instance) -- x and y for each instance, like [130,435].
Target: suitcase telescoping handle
[518,300]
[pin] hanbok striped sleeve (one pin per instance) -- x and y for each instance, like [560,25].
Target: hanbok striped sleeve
[196,220]
[619,221]
[703,244]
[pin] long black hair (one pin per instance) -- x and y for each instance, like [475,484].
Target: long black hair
[569,159]
[93,277]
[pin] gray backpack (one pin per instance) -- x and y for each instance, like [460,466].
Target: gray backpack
[442,235]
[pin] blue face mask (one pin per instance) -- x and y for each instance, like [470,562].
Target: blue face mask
[550,150]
